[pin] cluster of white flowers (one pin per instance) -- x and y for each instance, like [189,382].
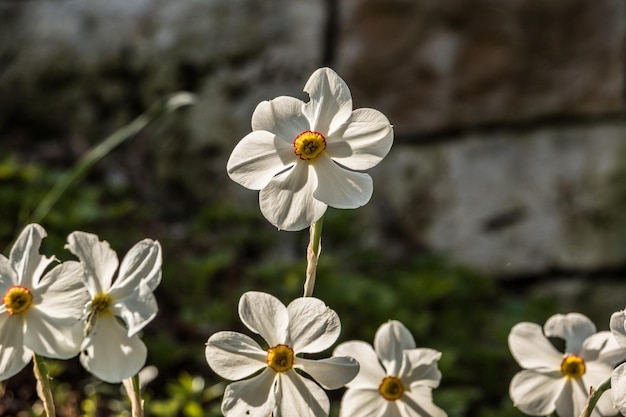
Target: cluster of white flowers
[75,306]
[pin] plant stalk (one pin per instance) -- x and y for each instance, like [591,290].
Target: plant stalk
[44,389]
[312,255]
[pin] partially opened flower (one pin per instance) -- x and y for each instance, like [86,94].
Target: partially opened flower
[552,380]
[40,312]
[618,378]
[396,378]
[113,351]
[303,156]
[306,325]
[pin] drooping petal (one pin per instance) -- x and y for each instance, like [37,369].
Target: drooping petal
[390,341]
[258,158]
[298,396]
[574,328]
[618,327]
[603,347]
[253,397]
[419,367]
[340,188]
[313,326]
[532,350]
[535,393]
[62,293]
[360,402]
[371,372]
[99,260]
[330,373]
[25,258]
[418,402]
[13,355]
[265,315]
[618,388]
[142,264]
[136,311]
[331,102]
[52,337]
[110,354]
[363,141]
[287,201]
[572,399]
[8,277]
[281,116]
[234,355]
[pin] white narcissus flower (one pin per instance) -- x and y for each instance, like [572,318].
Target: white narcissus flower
[306,325]
[303,156]
[396,378]
[554,381]
[113,351]
[40,312]
[618,378]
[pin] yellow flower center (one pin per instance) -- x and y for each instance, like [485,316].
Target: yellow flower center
[101,304]
[280,358]
[573,366]
[391,388]
[17,299]
[309,145]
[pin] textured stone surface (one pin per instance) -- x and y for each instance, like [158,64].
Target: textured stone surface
[514,203]
[444,64]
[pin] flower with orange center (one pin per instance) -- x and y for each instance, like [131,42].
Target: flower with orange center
[552,381]
[118,309]
[395,379]
[304,157]
[306,325]
[40,310]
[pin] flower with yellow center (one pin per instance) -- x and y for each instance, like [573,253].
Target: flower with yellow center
[306,325]
[396,378]
[552,381]
[39,310]
[113,351]
[304,157]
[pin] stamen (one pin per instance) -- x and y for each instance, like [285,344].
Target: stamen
[573,366]
[101,304]
[391,388]
[17,299]
[280,358]
[309,145]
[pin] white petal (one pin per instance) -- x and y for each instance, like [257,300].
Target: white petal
[99,259]
[264,314]
[339,187]
[62,292]
[419,367]
[142,264]
[13,355]
[418,402]
[234,355]
[330,373]
[574,328]
[618,327]
[363,141]
[258,157]
[253,397]
[391,339]
[52,337]
[595,374]
[618,388]
[136,311]
[25,258]
[371,372]
[298,396]
[112,356]
[532,350]
[8,277]
[603,347]
[572,399]
[331,103]
[313,326]
[535,393]
[282,116]
[361,403]
[287,201]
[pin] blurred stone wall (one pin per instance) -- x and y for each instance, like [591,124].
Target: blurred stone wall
[510,152]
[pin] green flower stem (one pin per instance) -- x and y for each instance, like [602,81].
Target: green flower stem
[99,151]
[594,396]
[44,389]
[135,397]
[312,255]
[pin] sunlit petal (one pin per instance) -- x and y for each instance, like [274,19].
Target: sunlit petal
[418,402]
[142,264]
[313,326]
[25,258]
[390,341]
[331,102]
[419,367]
[330,373]
[234,355]
[99,259]
[52,336]
[532,350]
[536,393]
[362,403]
[340,188]
[62,292]
[281,116]
[371,372]
[13,355]
[300,397]
[253,397]
[265,315]
[136,311]
[574,328]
